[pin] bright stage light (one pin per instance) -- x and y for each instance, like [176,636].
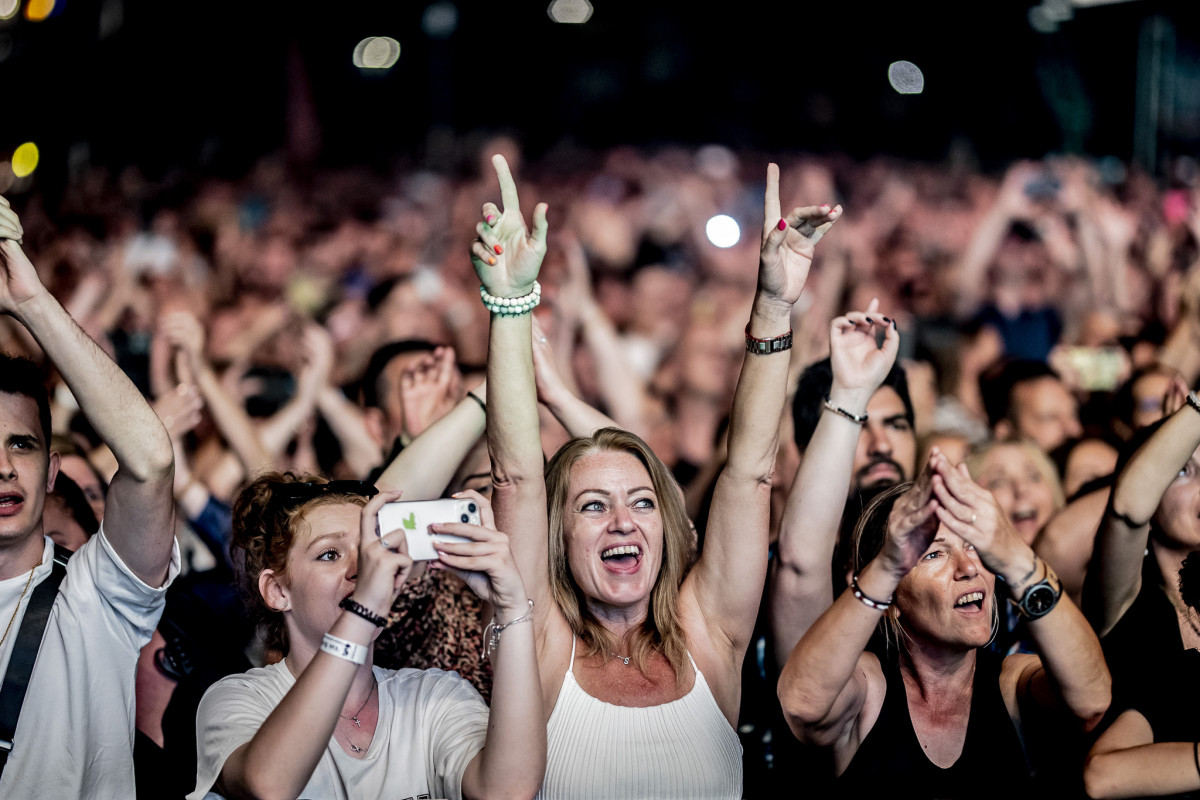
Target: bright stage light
[38,10]
[25,160]
[723,231]
[570,12]
[8,8]
[377,52]
[906,77]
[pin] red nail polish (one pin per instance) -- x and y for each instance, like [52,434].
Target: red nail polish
[492,262]
[782,224]
[491,218]
[825,205]
[498,249]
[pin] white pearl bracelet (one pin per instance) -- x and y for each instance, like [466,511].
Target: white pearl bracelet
[511,306]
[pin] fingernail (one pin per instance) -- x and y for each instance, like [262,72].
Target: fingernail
[782,224]
[894,325]
[491,261]
[870,320]
[825,205]
[491,218]
[498,249]
[887,320]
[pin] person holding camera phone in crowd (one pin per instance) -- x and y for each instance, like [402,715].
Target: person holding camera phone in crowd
[325,722]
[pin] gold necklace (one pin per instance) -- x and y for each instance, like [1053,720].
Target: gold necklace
[18,608]
[352,718]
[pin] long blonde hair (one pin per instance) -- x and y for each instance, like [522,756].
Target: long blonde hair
[661,629]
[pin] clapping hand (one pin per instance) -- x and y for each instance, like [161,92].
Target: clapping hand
[19,281]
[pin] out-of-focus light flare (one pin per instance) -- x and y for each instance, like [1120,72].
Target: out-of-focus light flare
[723,231]
[906,77]
[440,20]
[8,8]
[377,52]
[25,160]
[38,10]
[6,176]
[570,12]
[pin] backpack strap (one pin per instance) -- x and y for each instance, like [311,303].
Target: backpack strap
[25,650]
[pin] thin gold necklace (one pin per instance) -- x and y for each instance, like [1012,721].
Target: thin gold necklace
[13,618]
[352,718]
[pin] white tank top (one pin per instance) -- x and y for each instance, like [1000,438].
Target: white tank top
[681,749]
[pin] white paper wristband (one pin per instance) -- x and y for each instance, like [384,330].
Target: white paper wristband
[354,653]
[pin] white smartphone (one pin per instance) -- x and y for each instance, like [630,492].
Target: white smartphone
[414,518]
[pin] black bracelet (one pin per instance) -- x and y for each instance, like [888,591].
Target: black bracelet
[475,397]
[869,602]
[360,610]
[857,419]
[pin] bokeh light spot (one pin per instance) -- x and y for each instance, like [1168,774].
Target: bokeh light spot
[25,159]
[377,52]
[723,231]
[906,77]
[440,20]
[38,10]
[570,12]
[8,8]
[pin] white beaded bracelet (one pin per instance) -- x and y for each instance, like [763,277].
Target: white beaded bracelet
[354,653]
[511,306]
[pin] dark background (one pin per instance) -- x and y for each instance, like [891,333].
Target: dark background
[162,84]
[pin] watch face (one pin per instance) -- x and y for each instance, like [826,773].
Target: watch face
[1040,599]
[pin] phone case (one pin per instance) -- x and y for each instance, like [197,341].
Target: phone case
[415,517]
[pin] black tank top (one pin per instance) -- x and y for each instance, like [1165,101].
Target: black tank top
[891,759]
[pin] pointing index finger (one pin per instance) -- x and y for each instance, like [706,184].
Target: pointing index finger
[508,188]
[771,208]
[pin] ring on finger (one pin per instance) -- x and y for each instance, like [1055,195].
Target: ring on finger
[386,546]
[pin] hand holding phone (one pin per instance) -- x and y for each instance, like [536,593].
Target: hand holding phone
[415,517]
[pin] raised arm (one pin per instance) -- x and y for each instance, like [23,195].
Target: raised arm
[186,334]
[579,418]
[727,581]
[140,512]
[1068,673]
[425,468]
[825,683]
[802,584]
[1115,574]
[507,260]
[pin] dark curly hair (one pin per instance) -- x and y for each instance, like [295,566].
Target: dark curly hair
[263,528]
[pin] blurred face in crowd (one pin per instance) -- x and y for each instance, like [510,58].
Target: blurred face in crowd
[887,445]
[77,469]
[1044,412]
[1021,485]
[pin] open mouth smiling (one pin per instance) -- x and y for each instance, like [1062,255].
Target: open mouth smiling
[971,601]
[622,558]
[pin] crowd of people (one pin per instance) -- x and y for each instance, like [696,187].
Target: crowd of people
[914,503]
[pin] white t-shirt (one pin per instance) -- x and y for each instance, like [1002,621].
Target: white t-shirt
[431,724]
[74,738]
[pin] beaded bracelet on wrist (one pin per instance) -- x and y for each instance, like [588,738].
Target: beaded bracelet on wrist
[511,306]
